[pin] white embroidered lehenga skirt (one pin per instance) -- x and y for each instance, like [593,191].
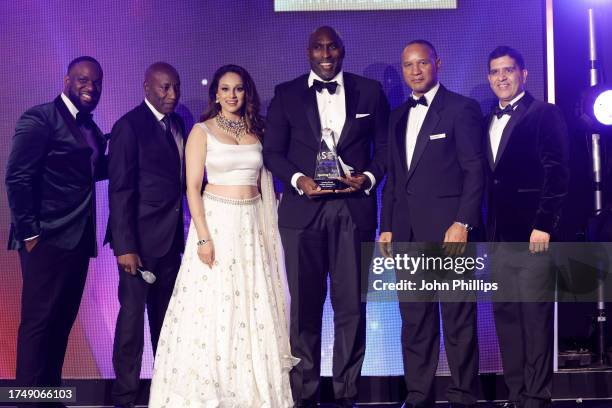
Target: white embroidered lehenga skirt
[224,341]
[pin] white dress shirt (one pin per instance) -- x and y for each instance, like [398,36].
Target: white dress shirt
[332,115]
[496,129]
[415,121]
[71,108]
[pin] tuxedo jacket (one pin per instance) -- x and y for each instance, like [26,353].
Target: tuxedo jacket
[445,180]
[528,183]
[293,137]
[145,186]
[49,178]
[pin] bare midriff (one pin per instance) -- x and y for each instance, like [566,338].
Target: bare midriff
[236,192]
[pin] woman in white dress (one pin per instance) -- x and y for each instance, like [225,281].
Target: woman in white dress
[224,341]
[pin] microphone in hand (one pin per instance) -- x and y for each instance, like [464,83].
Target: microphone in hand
[147,276]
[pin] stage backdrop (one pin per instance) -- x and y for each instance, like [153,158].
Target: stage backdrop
[39,38]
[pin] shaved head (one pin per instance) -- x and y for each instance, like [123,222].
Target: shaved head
[328,31]
[162,87]
[160,67]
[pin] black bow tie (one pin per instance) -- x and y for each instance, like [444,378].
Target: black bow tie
[499,112]
[414,102]
[330,86]
[83,118]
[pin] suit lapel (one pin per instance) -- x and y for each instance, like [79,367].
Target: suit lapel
[351,99]
[431,120]
[489,148]
[400,137]
[82,141]
[74,128]
[172,140]
[178,120]
[309,101]
[70,122]
[515,119]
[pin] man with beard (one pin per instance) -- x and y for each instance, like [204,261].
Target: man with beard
[145,227]
[322,230]
[56,157]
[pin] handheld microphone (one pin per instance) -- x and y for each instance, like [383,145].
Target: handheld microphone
[147,276]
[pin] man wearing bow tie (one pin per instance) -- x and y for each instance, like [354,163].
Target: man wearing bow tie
[145,226]
[322,230]
[433,194]
[56,157]
[527,183]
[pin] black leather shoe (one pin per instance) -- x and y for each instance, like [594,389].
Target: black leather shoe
[406,404]
[344,403]
[508,404]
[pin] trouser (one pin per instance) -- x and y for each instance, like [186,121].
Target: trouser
[134,295]
[53,283]
[330,243]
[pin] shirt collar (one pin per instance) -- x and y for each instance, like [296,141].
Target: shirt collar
[429,95]
[71,108]
[514,101]
[339,78]
[157,113]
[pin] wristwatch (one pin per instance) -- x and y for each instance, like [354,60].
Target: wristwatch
[467,227]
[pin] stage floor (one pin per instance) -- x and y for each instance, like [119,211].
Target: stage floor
[556,404]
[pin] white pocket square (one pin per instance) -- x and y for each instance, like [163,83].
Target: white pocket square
[361,115]
[438,136]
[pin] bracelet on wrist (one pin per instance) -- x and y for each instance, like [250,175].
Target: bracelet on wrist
[203,242]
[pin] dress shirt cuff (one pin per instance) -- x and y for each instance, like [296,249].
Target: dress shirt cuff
[294,180]
[372,181]
[31,238]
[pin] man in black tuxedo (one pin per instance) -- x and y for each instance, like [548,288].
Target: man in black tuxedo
[145,227]
[56,157]
[322,230]
[527,183]
[433,194]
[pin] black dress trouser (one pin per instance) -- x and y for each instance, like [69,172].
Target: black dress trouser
[53,283]
[331,243]
[420,312]
[524,321]
[134,295]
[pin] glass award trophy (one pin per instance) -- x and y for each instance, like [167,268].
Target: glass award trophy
[328,168]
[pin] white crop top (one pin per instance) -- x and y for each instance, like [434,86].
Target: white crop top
[228,164]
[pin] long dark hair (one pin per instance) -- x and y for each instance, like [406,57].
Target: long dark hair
[250,109]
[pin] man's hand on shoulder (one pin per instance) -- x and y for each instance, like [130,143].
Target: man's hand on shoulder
[129,262]
[310,188]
